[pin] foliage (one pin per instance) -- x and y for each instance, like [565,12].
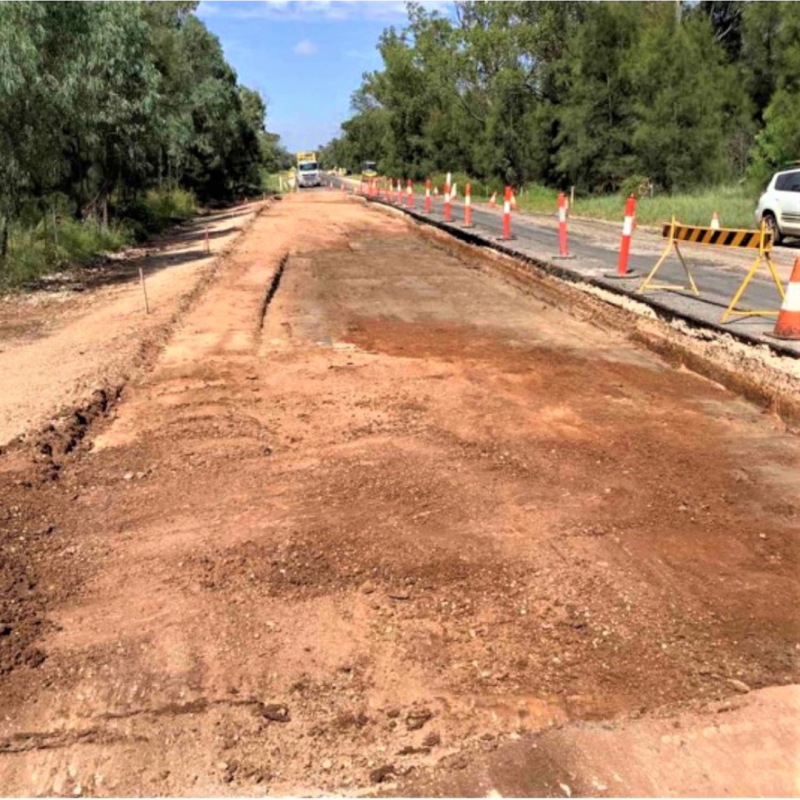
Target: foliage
[102,104]
[42,242]
[587,94]
[734,204]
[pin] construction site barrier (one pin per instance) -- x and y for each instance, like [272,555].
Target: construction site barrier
[741,239]
[627,233]
[507,214]
[563,251]
[468,206]
[788,324]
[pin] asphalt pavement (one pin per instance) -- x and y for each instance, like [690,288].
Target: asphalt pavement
[595,262]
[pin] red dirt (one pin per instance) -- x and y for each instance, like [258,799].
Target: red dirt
[407,521]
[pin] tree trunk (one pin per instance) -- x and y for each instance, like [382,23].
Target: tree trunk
[4,240]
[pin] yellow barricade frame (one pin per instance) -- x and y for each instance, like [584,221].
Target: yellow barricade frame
[690,234]
[669,287]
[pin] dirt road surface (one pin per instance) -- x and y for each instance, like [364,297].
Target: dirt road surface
[87,328]
[377,522]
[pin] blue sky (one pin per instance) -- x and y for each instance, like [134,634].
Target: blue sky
[306,58]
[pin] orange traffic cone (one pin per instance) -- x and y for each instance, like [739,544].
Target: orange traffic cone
[715,221]
[493,200]
[788,324]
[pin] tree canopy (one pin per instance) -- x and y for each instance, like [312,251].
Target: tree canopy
[588,94]
[100,101]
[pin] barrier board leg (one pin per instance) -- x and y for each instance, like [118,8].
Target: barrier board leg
[652,273]
[648,281]
[731,309]
[692,284]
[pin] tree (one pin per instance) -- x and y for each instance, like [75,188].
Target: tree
[597,113]
[779,141]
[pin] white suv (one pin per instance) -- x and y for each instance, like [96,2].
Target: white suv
[779,206]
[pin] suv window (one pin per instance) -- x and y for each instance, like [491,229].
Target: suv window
[788,182]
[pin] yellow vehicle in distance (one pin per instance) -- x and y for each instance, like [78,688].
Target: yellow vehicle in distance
[369,170]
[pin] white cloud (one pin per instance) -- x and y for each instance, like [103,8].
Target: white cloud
[305,48]
[318,10]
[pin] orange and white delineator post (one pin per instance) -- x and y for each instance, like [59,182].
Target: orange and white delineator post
[399,192]
[410,194]
[428,196]
[507,213]
[493,200]
[562,225]
[627,232]
[788,324]
[468,206]
[447,198]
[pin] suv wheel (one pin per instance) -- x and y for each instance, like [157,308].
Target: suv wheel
[772,227]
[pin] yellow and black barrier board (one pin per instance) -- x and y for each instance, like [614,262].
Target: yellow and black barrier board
[760,240]
[720,237]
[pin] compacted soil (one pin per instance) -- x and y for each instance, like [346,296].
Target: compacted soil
[377,522]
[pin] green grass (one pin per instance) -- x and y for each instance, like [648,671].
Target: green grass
[272,182]
[734,204]
[38,250]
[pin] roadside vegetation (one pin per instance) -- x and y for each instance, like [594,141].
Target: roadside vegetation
[734,204]
[116,121]
[689,105]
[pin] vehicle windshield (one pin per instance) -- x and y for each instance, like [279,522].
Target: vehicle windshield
[369,165]
[308,166]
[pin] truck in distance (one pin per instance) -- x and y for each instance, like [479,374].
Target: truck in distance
[308,173]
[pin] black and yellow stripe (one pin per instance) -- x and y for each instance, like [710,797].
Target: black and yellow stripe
[724,237]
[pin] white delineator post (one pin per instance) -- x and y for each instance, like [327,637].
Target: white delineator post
[468,206]
[447,198]
[428,196]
